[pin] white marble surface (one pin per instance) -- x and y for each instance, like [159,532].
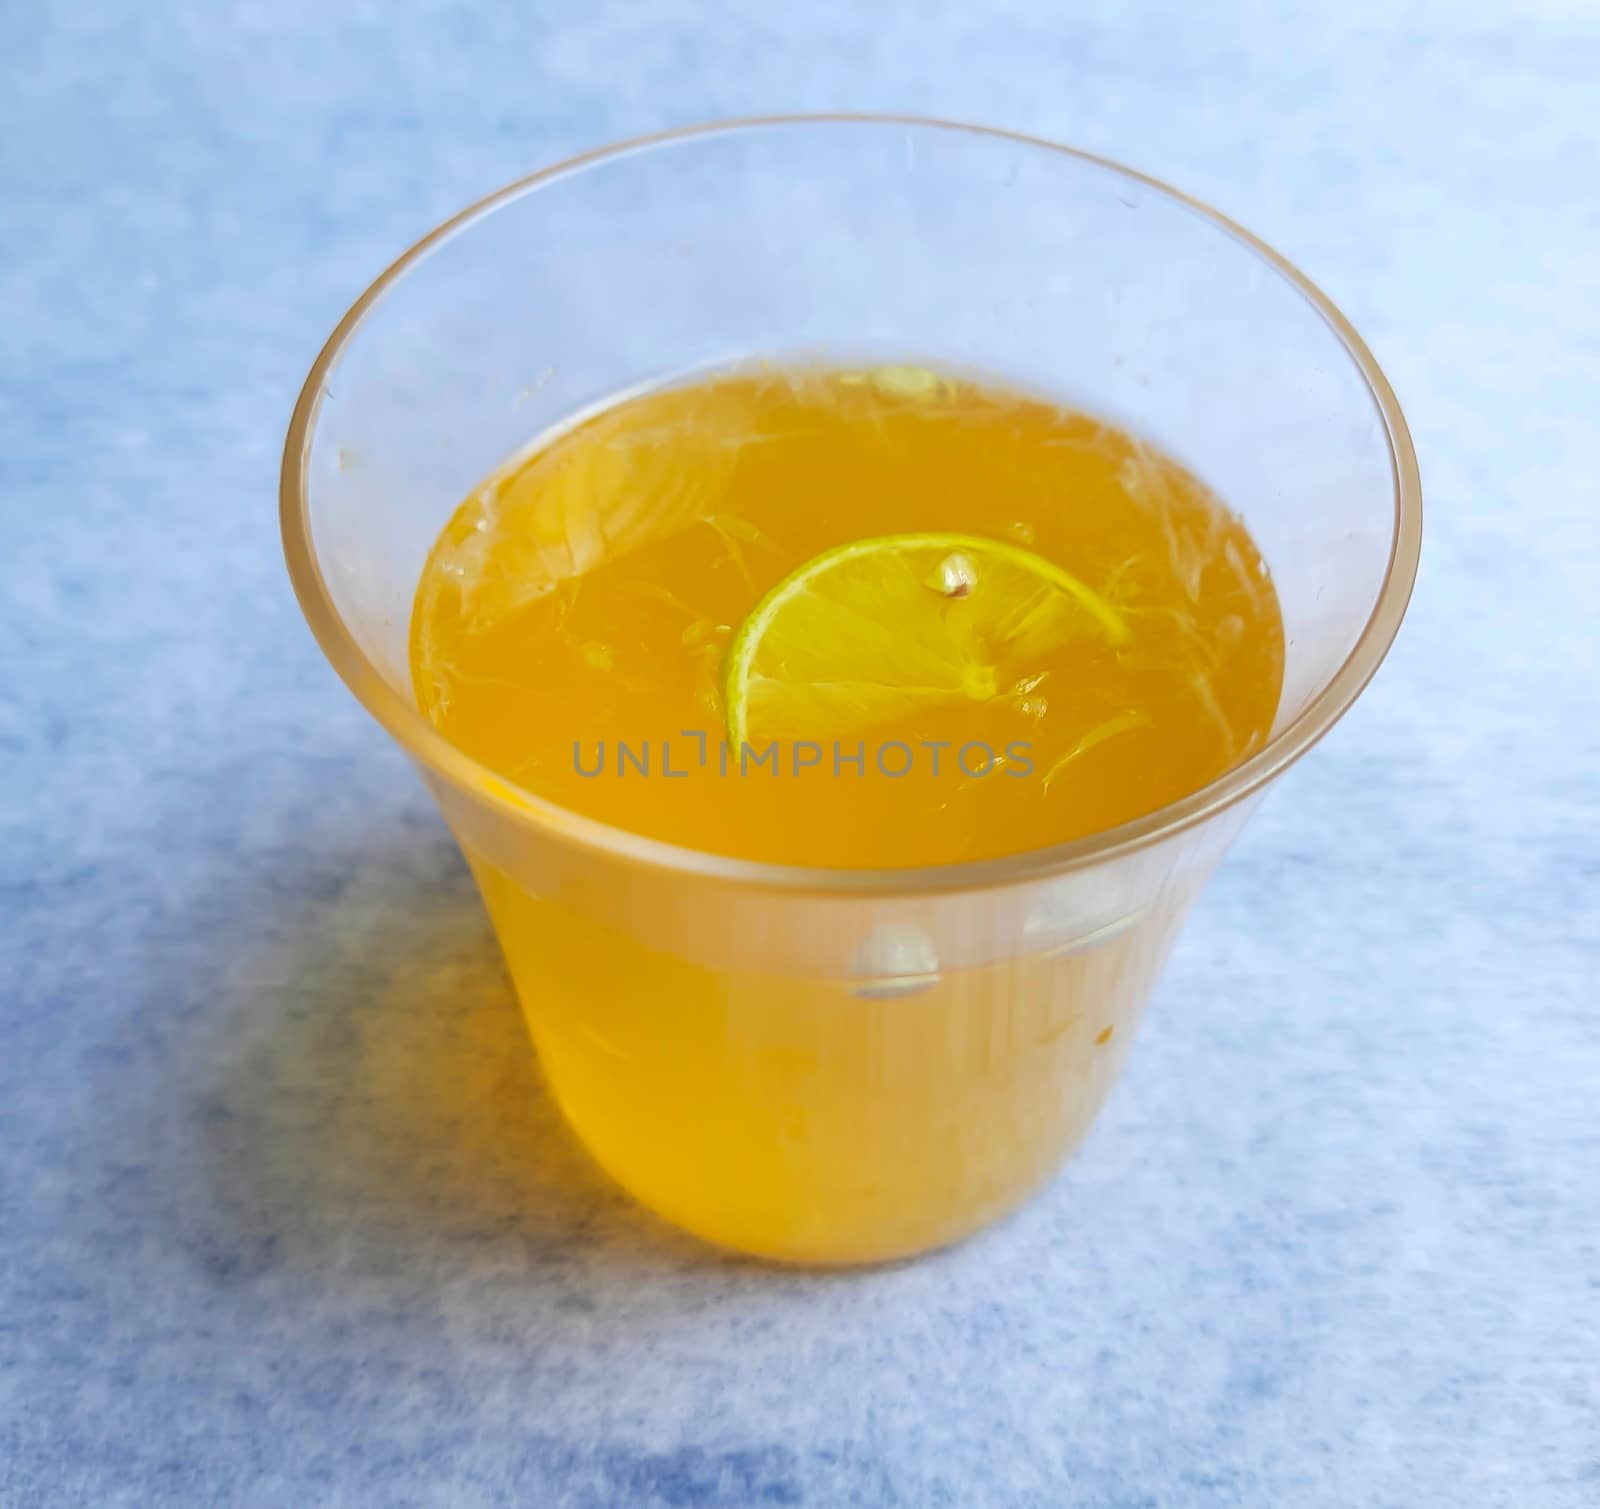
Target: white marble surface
[283,1216]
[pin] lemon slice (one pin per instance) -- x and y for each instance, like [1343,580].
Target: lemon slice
[880,629]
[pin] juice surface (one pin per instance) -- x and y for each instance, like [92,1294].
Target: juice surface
[574,622]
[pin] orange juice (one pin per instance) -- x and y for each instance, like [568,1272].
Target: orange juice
[845,616]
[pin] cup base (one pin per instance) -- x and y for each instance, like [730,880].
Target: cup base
[801,1120]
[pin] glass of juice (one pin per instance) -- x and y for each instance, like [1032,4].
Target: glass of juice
[845,582]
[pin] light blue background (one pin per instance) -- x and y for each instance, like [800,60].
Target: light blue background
[284,1218]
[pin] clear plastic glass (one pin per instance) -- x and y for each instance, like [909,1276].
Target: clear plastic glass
[843,1066]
